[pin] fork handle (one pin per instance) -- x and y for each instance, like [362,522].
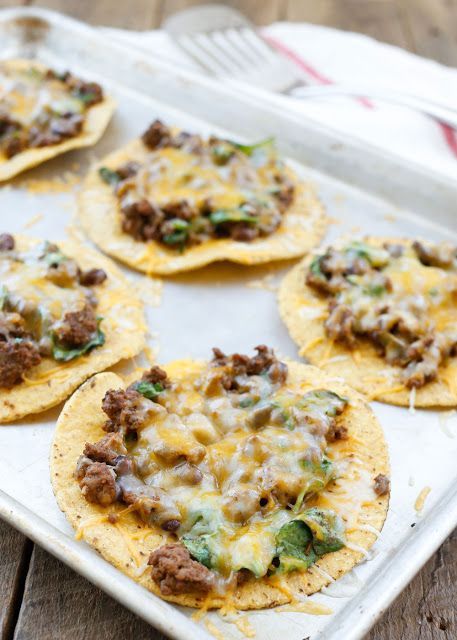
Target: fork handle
[435,110]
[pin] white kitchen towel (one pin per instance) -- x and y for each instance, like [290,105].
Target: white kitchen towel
[329,55]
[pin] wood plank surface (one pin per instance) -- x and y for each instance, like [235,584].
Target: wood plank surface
[59,604]
[42,599]
[15,553]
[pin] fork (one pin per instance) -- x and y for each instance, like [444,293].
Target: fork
[224,43]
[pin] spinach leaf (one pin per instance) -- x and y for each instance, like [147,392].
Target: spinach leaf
[375,290]
[3,296]
[316,268]
[64,354]
[222,152]
[32,73]
[109,176]
[327,529]
[316,477]
[179,232]
[294,547]
[149,390]
[249,149]
[52,255]
[86,97]
[244,403]
[198,549]
[376,257]
[322,401]
[231,215]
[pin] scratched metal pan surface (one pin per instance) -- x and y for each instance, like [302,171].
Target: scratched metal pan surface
[362,188]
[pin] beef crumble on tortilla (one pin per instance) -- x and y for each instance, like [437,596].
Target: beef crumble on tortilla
[382,314]
[173,201]
[224,480]
[44,113]
[65,313]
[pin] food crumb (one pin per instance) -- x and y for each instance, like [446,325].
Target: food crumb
[33,220]
[66,182]
[390,217]
[420,500]
[268,283]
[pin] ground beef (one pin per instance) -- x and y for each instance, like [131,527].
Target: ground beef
[175,572]
[330,270]
[90,92]
[15,359]
[142,220]
[181,209]
[157,136]
[381,485]
[156,375]
[12,325]
[108,449]
[122,408]
[14,144]
[77,327]
[6,242]
[128,170]
[394,250]
[424,356]
[441,255]
[340,323]
[12,136]
[7,124]
[240,231]
[92,277]
[241,365]
[336,432]
[171,525]
[98,483]
[189,142]
[55,130]
[285,193]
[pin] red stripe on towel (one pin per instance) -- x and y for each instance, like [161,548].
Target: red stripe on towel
[306,67]
[450,134]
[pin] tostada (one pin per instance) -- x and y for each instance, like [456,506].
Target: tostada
[44,113]
[243,479]
[65,313]
[382,314]
[173,201]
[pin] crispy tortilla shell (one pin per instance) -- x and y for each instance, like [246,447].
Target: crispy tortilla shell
[96,120]
[123,325]
[303,310]
[128,543]
[302,227]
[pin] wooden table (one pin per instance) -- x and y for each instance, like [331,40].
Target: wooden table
[40,598]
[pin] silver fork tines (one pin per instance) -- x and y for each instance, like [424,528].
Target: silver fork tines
[224,43]
[232,51]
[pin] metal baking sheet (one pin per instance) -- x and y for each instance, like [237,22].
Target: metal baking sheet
[364,190]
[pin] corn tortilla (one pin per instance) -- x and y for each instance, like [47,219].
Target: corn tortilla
[128,543]
[96,120]
[303,310]
[302,227]
[123,325]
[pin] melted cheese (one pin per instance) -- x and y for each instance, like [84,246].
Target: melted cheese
[26,94]
[238,464]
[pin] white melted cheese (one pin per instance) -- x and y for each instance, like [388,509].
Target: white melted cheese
[237,466]
[26,280]
[25,94]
